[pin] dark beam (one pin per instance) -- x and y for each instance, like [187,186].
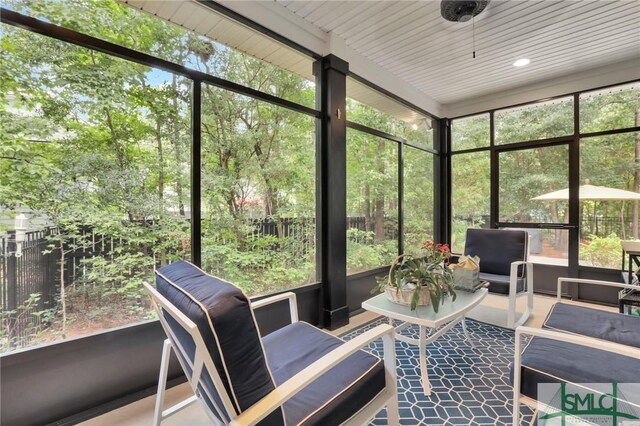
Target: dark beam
[331,73]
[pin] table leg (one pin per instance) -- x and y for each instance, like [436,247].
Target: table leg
[466,333]
[422,347]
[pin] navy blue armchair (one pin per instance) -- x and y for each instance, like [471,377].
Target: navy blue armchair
[297,375]
[504,263]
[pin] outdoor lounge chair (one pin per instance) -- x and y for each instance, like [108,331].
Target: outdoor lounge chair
[578,345]
[504,263]
[297,375]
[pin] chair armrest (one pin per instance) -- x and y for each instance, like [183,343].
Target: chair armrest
[293,304]
[592,282]
[575,339]
[291,387]
[513,275]
[578,339]
[514,266]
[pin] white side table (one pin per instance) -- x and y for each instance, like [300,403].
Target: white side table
[449,314]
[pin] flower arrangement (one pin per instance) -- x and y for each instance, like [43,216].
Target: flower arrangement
[420,280]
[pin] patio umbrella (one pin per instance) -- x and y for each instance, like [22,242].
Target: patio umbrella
[591,192]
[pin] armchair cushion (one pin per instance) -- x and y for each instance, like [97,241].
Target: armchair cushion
[225,320]
[335,396]
[497,249]
[552,361]
[611,326]
[500,283]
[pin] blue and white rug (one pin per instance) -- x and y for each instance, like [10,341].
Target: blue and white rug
[469,387]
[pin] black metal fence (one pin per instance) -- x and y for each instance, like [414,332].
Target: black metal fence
[35,269]
[603,226]
[28,283]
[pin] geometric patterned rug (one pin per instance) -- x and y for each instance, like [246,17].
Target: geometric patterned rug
[469,386]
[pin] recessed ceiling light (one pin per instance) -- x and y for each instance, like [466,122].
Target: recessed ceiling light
[521,62]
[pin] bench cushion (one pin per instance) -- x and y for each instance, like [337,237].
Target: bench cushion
[224,318]
[611,326]
[335,396]
[552,361]
[500,283]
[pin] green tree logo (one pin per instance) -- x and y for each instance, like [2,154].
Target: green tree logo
[588,402]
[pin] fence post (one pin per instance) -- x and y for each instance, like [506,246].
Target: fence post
[12,284]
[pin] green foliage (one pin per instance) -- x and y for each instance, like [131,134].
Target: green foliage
[24,324]
[470,132]
[430,272]
[363,253]
[602,251]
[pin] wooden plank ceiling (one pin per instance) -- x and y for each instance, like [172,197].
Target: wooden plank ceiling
[412,40]
[204,21]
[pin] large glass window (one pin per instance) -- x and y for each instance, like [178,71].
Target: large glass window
[372,201]
[94,187]
[258,197]
[535,121]
[533,185]
[418,198]
[609,193]
[470,132]
[533,181]
[470,195]
[216,45]
[95,162]
[612,108]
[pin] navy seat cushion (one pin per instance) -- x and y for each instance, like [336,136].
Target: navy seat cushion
[611,326]
[335,396]
[223,315]
[500,283]
[552,361]
[497,249]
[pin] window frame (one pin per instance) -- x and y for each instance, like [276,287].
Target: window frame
[573,141]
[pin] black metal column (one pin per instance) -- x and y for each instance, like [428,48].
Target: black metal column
[494,166]
[574,199]
[331,73]
[401,198]
[442,183]
[196,172]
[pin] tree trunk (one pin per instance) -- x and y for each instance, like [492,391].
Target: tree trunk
[379,217]
[63,297]
[160,167]
[177,147]
[636,183]
[379,204]
[367,207]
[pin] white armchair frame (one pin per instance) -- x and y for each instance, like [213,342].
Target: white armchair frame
[591,342]
[514,295]
[388,397]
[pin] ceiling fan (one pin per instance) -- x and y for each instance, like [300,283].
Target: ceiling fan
[461,10]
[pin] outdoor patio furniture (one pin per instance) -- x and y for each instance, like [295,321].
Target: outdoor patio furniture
[296,375]
[577,345]
[504,264]
[432,325]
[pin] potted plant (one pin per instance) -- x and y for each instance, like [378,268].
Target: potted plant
[419,281]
